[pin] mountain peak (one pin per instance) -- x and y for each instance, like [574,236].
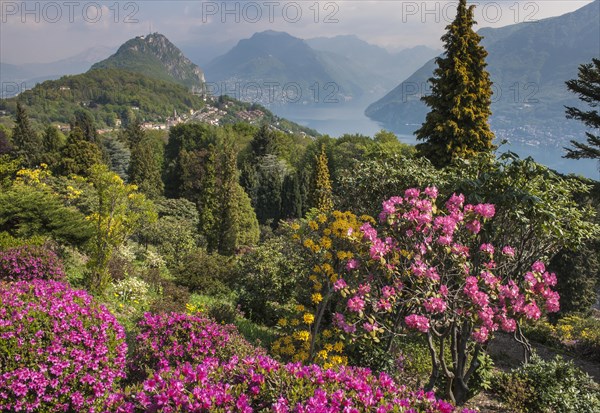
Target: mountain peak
[154,55]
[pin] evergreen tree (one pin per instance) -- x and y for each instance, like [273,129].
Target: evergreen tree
[134,133]
[322,195]
[79,155]
[26,141]
[83,120]
[264,142]
[587,87]
[239,226]
[271,174]
[145,165]
[291,203]
[208,202]
[52,142]
[457,124]
[118,155]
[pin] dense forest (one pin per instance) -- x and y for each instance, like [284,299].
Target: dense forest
[246,267]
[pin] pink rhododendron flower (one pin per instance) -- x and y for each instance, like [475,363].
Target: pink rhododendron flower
[417,322]
[508,251]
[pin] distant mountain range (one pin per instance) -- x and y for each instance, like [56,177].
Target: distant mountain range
[529,64]
[148,78]
[156,57]
[29,74]
[320,70]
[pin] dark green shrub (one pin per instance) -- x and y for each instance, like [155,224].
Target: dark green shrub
[206,273]
[554,386]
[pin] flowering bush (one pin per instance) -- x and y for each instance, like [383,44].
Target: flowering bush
[129,299]
[30,262]
[307,334]
[256,382]
[430,270]
[171,340]
[60,350]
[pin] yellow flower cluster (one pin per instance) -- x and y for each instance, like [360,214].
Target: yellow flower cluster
[329,239]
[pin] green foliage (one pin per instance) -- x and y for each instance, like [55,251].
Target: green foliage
[461,90]
[26,141]
[5,142]
[587,87]
[206,273]
[175,233]
[118,211]
[83,120]
[364,187]
[128,299]
[266,278]
[145,167]
[118,155]
[322,198]
[536,209]
[548,386]
[107,94]
[79,155]
[35,211]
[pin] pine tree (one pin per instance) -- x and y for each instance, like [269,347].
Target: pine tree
[587,86]
[322,195]
[27,143]
[457,124]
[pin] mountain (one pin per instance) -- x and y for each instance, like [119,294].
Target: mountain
[375,59]
[28,75]
[279,63]
[529,64]
[156,57]
[109,94]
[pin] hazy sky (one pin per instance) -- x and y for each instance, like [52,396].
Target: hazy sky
[43,31]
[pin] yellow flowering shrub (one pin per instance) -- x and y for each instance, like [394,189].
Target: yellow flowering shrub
[328,240]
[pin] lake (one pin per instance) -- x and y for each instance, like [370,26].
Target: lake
[336,120]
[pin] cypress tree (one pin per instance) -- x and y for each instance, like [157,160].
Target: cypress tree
[457,124]
[322,195]
[26,141]
[587,87]
[83,120]
[208,202]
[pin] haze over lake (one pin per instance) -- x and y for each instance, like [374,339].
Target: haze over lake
[336,120]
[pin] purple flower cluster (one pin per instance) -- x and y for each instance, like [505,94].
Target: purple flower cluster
[30,262]
[60,350]
[256,382]
[170,340]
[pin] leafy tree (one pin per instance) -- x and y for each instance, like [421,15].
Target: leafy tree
[322,195]
[457,125]
[26,141]
[587,87]
[28,210]
[118,211]
[79,155]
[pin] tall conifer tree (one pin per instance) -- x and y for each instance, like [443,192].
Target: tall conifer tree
[26,141]
[587,86]
[457,124]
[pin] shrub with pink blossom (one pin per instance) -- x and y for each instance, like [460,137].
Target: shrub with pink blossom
[432,270]
[30,262]
[173,339]
[60,350]
[258,383]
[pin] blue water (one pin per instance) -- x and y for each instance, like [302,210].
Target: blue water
[336,120]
